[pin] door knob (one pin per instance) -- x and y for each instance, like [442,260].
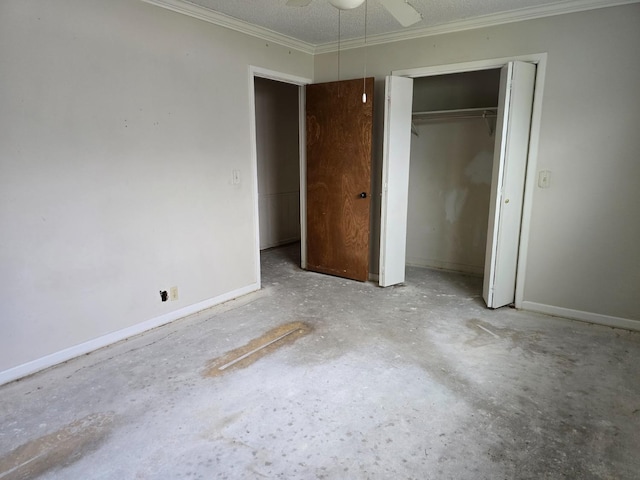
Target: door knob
[363,195]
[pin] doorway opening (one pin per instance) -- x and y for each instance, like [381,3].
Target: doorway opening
[278,159]
[278,154]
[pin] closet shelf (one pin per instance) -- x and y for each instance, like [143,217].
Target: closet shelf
[489,112]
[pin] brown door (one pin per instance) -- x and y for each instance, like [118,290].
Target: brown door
[339,129]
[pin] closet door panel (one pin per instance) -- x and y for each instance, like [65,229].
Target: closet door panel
[395,180]
[507,186]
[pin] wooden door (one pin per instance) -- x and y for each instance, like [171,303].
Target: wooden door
[339,127]
[507,185]
[395,180]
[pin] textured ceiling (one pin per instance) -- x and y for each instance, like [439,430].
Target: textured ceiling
[317,23]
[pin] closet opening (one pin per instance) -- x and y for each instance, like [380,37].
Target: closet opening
[450,98]
[450,171]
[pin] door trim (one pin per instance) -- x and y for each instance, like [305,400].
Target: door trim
[540,60]
[300,82]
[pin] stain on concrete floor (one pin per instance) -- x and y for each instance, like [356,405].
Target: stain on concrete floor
[57,449]
[257,348]
[398,383]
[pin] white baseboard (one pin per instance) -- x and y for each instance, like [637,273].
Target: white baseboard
[279,243]
[589,317]
[464,268]
[77,350]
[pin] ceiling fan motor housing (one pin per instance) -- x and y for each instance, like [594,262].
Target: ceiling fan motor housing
[346,4]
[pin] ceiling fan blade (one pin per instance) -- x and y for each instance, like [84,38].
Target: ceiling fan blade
[402,11]
[298,3]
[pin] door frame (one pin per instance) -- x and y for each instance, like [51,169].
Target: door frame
[300,82]
[540,60]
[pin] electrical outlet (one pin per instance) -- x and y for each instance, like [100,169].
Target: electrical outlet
[173,293]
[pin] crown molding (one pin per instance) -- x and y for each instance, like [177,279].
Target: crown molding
[201,13]
[528,13]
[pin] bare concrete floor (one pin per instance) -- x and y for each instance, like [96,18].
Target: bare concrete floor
[418,381]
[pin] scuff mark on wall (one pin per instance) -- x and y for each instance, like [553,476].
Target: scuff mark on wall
[479,169]
[454,202]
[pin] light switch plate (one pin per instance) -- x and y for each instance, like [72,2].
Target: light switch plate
[544,179]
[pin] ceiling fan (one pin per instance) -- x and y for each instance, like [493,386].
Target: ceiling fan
[399,9]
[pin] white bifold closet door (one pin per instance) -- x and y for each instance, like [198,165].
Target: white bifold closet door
[513,124]
[507,186]
[395,180]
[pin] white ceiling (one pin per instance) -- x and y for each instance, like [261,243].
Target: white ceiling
[316,25]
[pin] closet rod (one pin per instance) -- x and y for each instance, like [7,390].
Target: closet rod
[458,113]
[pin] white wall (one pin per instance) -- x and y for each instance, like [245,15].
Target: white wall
[478,89]
[278,152]
[450,173]
[583,251]
[449,189]
[120,125]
